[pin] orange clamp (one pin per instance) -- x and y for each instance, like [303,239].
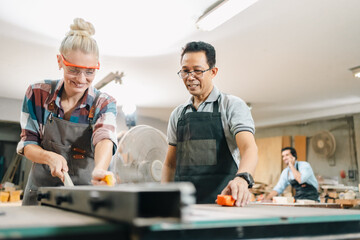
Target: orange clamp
[225,200]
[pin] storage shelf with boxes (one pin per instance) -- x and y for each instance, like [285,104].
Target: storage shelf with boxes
[346,196]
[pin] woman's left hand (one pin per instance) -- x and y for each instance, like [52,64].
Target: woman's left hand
[98,176]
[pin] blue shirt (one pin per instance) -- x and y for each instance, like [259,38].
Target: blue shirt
[307,176]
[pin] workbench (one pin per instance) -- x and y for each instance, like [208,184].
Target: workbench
[202,221]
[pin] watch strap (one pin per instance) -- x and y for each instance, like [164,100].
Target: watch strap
[247,177]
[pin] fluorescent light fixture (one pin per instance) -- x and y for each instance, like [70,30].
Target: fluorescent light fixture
[222,12]
[356,71]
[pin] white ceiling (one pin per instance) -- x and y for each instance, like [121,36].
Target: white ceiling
[289,58]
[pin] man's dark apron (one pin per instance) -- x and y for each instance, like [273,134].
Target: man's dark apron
[304,190]
[202,154]
[73,142]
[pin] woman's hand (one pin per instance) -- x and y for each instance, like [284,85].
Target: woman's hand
[98,176]
[57,164]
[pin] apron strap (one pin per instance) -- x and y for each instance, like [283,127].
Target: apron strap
[52,106]
[216,106]
[92,110]
[183,111]
[53,86]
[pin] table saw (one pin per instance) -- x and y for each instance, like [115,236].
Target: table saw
[165,212]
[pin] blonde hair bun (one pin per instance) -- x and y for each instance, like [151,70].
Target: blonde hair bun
[81,28]
[80,38]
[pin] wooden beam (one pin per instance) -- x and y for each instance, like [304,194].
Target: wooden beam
[300,146]
[286,142]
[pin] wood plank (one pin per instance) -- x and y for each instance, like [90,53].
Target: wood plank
[268,169]
[286,142]
[300,146]
[348,203]
[261,210]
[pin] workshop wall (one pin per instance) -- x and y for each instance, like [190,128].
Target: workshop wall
[10,112]
[345,155]
[10,109]
[140,120]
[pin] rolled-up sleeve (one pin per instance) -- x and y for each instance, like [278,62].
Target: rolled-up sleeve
[306,172]
[282,183]
[172,126]
[105,123]
[239,116]
[30,130]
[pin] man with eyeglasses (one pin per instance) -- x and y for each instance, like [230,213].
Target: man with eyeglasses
[208,134]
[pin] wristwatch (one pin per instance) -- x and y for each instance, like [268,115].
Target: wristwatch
[247,177]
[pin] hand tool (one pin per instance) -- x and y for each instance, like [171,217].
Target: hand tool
[67,182]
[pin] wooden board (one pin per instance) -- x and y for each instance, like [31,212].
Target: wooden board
[269,166]
[300,146]
[286,142]
[348,203]
[208,212]
[314,205]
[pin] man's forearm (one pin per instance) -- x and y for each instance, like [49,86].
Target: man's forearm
[249,160]
[272,194]
[296,173]
[168,174]
[169,167]
[248,151]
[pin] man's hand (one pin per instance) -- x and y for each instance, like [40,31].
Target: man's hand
[57,164]
[98,176]
[290,164]
[269,197]
[238,189]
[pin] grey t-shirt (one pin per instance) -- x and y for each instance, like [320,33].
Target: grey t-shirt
[235,116]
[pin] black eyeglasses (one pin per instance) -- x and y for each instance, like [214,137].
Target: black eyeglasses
[197,73]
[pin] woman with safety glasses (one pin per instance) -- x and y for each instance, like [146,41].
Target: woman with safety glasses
[67,125]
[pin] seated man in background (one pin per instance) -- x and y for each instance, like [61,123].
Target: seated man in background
[299,174]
